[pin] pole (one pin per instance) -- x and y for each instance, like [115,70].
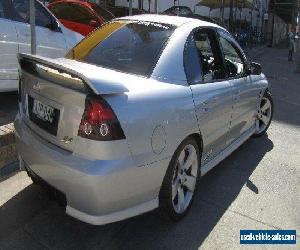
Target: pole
[32,27]
[235,16]
[130,7]
[298,47]
[241,14]
[222,18]
[156,6]
[231,16]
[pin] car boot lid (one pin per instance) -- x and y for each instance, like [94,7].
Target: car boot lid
[100,80]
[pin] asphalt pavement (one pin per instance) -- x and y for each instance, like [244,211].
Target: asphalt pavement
[257,187]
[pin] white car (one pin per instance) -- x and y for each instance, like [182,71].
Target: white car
[53,39]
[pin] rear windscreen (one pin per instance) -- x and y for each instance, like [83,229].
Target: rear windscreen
[131,47]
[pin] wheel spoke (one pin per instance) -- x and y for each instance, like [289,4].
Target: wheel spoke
[190,160]
[190,183]
[264,119]
[174,189]
[266,106]
[181,158]
[257,125]
[180,199]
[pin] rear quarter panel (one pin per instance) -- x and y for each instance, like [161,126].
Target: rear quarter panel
[156,117]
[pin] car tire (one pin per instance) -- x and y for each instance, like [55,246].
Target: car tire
[181,180]
[264,115]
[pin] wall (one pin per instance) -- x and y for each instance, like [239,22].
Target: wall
[277,30]
[201,10]
[162,4]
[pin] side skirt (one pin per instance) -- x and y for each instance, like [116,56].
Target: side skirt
[227,151]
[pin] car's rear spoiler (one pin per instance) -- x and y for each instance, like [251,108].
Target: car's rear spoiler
[72,74]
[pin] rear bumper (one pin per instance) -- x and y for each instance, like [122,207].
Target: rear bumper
[97,191]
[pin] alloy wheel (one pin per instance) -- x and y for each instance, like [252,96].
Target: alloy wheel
[184,178]
[264,115]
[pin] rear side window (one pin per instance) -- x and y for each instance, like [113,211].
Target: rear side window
[107,16]
[72,12]
[61,10]
[131,47]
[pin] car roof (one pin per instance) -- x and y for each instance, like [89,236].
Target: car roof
[171,20]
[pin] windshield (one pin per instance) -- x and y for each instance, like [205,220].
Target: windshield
[131,47]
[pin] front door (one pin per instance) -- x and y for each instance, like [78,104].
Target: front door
[212,94]
[245,92]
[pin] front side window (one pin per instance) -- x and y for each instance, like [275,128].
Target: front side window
[128,46]
[234,62]
[203,46]
[21,10]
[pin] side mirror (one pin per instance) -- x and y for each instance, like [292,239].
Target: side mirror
[54,26]
[255,68]
[94,23]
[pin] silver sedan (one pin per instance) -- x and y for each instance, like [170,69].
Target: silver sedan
[136,113]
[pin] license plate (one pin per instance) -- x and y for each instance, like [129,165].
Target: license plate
[43,111]
[43,115]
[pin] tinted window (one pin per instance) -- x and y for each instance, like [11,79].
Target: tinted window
[131,47]
[61,10]
[207,55]
[234,62]
[72,12]
[22,13]
[103,13]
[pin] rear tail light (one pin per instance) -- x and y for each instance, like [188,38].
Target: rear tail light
[99,122]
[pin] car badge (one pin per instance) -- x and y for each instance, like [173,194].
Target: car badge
[67,140]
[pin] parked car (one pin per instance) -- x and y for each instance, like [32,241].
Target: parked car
[120,11]
[185,11]
[136,113]
[53,39]
[80,16]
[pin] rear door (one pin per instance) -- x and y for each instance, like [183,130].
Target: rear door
[212,93]
[245,93]
[8,44]
[50,43]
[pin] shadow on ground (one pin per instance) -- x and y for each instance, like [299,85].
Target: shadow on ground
[34,221]
[284,84]
[8,107]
